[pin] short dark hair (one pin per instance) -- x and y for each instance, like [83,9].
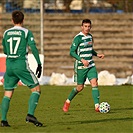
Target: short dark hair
[86,21]
[17,17]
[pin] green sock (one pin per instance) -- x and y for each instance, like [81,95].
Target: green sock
[5,107]
[33,101]
[95,94]
[72,94]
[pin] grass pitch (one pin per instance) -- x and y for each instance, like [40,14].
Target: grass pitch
[81,117]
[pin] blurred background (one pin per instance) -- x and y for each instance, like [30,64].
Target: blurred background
[112,29]
[80,6]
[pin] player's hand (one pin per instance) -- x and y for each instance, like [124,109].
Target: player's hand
[100,56]
[85,62]
[39,70]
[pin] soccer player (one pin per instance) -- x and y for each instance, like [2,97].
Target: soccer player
[16,41]
[84,66]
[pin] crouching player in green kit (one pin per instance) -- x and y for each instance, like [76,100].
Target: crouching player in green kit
[16,41]
[82,50]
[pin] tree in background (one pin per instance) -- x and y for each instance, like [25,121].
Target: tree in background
[67,5]
[125,5]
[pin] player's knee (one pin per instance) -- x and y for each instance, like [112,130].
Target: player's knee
[9,94]
[94,84]
[36,89]
[39,92]
[80,88]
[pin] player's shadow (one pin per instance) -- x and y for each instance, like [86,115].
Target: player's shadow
[115,109]
[106,120]
[96,121]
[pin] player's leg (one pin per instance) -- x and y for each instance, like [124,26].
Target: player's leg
[9,83]
[95,93]
[5,107]
[81,77]
[33,101]
[29,79]
[72,94]
[93,76]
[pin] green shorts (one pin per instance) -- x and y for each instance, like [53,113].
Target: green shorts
[89,73]
[19,71]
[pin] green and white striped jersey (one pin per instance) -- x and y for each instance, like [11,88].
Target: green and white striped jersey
[16,41]
[82,48]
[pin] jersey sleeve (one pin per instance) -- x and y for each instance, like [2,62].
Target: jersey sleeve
[3,44]
[32,44]
[94,52]
[74,49]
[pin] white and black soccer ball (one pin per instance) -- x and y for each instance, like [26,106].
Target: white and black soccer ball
[104,107]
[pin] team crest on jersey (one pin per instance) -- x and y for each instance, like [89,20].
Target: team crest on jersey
[31,38]
[86,43]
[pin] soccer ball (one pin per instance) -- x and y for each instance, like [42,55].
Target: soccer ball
[104,107]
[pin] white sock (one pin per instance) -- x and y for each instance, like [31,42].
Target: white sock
[68,101]
[96,105]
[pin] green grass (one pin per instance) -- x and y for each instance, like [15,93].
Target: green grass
[81,116]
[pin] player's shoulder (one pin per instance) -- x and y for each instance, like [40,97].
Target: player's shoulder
[79,35]
[7,30]
[90,34]
[17,28]
[24,29]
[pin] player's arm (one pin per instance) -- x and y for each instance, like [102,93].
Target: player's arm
[73,52]
[33,47]
[4,47]
[95,53]
[73,49]
[36,55]
[35,52]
